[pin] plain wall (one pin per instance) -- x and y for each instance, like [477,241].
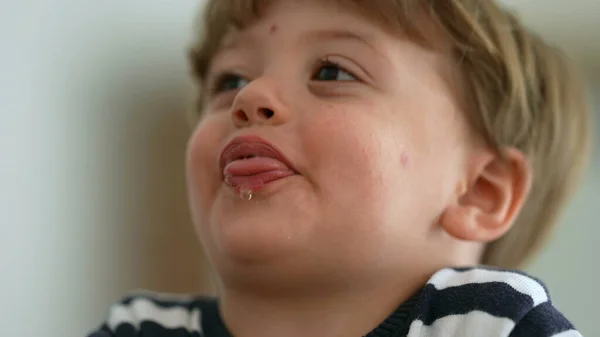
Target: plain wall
[92,191]
[92,156]
[570,264]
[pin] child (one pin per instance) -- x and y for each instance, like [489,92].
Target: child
[355,161]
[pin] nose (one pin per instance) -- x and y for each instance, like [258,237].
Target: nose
[258,103]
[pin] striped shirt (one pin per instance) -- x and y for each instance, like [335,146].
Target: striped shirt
[454,303]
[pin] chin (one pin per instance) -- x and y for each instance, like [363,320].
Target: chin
[248,237]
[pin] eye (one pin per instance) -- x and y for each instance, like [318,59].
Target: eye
[228,82]
[330,71]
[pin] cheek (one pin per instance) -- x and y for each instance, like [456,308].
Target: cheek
[363,168]
[405,160]
[201,165]
[351,156]
[431,164]
[379,163]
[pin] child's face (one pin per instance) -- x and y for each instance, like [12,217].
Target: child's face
[374,133]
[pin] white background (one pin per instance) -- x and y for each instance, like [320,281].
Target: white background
[92,134]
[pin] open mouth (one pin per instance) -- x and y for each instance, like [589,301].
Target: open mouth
[250,162]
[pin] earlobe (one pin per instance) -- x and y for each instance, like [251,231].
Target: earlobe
[460,222]
[490,197]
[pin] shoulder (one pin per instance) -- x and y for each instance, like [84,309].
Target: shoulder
[481,291]
[507,285]
[159,314]
[459,301]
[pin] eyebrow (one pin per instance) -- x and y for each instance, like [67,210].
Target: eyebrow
[313,36]
[341,34]
[234,42]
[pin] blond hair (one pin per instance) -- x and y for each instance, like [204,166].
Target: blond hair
[521,93]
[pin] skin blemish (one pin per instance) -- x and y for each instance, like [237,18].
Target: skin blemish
[273,29]
[405,159]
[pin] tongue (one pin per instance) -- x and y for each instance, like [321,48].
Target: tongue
[255,172]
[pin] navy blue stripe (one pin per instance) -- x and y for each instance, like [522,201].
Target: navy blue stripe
[126,330]
[152,329]
[100,333]
[212,324]
[496,269]
[103,331]
[148,329]
[543,321]
[495,298]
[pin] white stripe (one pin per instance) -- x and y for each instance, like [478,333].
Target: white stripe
[473,324]
[447,278]
[569,333]
[141,309]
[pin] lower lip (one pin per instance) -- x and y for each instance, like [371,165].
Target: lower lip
[256,182]
[254,174]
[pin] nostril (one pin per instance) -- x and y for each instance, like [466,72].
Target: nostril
[242,116]
[268,113]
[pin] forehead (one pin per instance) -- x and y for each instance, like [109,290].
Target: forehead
[411,19]
[242,13]
[305,21]
[223,20]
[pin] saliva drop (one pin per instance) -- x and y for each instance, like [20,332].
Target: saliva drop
[246,193]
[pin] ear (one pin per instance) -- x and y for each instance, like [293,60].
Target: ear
[490,196]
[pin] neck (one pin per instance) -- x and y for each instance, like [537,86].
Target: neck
[337,313]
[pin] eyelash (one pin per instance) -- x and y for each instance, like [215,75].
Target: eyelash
[216,86]
[327,62]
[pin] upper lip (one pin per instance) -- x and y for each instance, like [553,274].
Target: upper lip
[236,150]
